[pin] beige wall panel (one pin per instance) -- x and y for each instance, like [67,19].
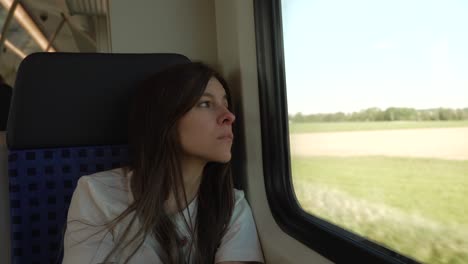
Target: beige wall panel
[154,26]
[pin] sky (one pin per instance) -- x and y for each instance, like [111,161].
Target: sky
[345,56]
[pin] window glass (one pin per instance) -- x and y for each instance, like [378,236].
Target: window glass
[17,35]
[378,120]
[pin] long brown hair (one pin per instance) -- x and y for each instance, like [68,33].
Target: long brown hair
[155,153]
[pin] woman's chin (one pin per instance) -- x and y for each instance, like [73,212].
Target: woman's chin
[223,158]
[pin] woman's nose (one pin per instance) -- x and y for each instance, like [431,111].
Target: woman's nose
[227,117]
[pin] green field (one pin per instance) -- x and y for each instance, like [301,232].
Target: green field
[415,206]
[361,126]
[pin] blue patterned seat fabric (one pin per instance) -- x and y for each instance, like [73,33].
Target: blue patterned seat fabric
[41,186]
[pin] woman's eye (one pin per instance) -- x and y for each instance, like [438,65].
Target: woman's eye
[205,104]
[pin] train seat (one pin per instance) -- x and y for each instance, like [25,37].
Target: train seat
[68,118]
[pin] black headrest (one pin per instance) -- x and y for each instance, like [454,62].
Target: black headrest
[5,98]
[77,99]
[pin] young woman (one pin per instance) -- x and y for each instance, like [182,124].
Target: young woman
[175,202]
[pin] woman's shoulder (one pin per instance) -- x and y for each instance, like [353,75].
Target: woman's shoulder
[241,205]
[106,182]
[106,191]
[239,196]
[115,178]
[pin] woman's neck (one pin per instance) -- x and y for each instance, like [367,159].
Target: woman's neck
[192,171]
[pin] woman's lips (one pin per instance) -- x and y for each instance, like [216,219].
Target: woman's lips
[228,137]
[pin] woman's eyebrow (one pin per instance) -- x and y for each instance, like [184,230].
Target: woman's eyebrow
[212,96]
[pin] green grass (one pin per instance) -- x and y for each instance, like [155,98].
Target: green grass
[360,126]
[415,206]
[435,188]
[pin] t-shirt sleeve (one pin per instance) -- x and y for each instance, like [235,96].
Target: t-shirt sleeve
[240,243]
[86,239]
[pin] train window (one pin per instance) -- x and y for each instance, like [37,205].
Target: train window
[18,40]
[371,153]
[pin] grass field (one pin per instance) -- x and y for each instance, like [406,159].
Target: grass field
[362,126]
[415,206]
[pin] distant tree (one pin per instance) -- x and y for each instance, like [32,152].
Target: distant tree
[458,114]
[389,114]
[425,115]
[465,114]
[446,114]
[298,117]
[374,114]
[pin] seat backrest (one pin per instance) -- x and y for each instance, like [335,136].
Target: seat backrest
[5,98]
[68,118]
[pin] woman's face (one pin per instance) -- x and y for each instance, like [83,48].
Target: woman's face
[206,130]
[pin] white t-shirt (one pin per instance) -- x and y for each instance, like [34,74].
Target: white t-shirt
[101,197]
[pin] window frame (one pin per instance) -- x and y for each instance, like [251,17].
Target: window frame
[329,240]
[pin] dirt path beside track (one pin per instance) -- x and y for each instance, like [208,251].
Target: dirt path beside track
[443,143]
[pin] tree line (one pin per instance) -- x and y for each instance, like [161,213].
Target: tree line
[389,114]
